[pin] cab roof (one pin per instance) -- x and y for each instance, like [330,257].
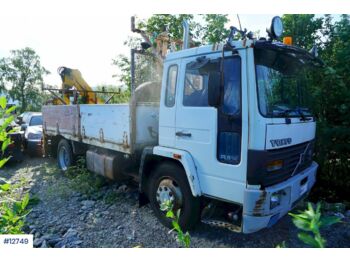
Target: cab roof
[206,49]
[293,51]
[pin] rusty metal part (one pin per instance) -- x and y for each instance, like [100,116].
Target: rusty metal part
[101,135]
[222,224]
[168,191]
[259,205]
[109,164]
[125,140]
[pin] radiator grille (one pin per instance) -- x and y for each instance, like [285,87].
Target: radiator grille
[295,159]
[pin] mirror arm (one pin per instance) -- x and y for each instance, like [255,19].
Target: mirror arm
[222,77]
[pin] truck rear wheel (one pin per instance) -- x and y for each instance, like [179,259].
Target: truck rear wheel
[64,155]
[169,182]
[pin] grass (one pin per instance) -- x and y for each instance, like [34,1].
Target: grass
[78,179]
[111,197]
[84,181]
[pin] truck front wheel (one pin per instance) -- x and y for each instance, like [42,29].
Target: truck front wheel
[169,183]
[64,155]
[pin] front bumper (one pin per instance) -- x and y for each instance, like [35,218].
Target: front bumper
[257,213]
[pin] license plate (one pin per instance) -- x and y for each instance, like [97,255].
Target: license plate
[303,189]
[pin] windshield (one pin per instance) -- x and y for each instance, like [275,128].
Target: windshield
[36,121]
[281,84]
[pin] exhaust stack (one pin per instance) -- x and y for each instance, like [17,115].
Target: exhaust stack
[186,34]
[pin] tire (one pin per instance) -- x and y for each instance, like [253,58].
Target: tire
[64,155]
[173,177]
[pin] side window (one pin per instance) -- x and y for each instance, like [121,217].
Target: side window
[229,131]
[195,91]
[229,147]
[196,82]
[170,90]
[232,86]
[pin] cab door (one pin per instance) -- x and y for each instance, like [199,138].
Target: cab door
[216,137]
[168,104]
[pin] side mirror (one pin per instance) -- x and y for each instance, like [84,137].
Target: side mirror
[23,127]
[214,89]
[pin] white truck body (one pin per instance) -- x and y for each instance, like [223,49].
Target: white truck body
[191,136]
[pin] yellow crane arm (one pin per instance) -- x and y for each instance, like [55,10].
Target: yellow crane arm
[73,78]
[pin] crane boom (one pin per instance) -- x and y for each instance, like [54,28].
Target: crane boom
[73,78]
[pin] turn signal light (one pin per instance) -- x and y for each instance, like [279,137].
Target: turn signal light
[274,165]
[287,40]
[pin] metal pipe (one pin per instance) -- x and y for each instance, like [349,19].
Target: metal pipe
[86,91]
[186,34]
[132,70]
[239,22]
[133,24]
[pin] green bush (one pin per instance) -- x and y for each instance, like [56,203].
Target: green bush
[329,98]
[12,212]
[12,216]
[183,238]
[6,119]
[310,222]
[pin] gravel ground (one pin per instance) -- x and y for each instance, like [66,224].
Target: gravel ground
[97,213]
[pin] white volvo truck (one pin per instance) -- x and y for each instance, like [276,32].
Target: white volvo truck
[226,137]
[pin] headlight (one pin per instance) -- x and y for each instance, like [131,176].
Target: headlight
[275,199]
[34,136]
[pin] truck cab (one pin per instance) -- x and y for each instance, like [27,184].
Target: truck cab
[240,116]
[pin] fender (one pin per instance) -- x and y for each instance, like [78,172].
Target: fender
[187,162]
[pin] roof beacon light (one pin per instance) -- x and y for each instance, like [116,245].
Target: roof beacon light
[276,29]
[287,40]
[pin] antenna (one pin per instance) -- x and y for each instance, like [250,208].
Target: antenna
[239,22]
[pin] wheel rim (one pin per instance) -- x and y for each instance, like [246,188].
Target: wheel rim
[168,190]
[63,158]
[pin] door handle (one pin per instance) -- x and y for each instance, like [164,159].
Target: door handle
[183,134]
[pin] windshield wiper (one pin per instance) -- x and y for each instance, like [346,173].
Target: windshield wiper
[284,113]
[281,111]
[302,115]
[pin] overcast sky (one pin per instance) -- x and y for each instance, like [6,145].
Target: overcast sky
[87,34]
[85,42]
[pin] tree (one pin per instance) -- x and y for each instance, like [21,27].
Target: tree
[212,30]
[123,63]
[157,24]
[22,75]
[123,95]
[330,97]
[334,96]
[303,28]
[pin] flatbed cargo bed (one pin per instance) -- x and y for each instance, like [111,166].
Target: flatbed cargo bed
[109,126]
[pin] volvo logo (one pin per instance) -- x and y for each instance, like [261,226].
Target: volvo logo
[280,142]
